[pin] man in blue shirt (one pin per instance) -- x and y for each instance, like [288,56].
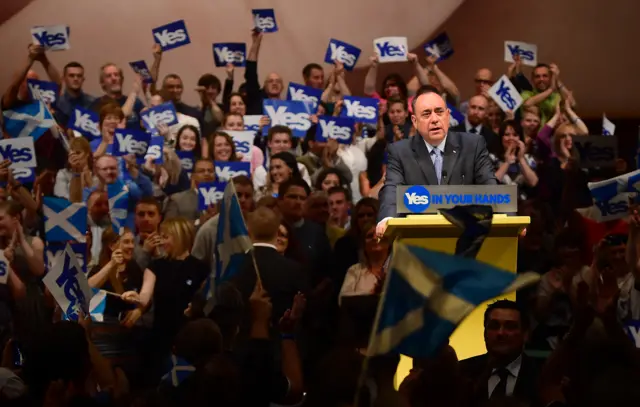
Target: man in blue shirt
[73,95]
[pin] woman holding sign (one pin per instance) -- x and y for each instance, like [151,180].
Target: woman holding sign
[115,273]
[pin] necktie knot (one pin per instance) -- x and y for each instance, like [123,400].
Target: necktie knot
[502,373]
[473,130]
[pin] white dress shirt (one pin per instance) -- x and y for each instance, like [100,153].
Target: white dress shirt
[514,370]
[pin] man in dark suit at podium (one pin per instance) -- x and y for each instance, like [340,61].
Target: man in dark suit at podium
[434,156]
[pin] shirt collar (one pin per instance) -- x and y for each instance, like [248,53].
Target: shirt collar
[265,245]
[439,146]
[513,368]
[468,126]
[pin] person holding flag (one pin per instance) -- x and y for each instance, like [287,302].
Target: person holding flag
[22,112]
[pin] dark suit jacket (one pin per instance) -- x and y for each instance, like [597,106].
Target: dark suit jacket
[282,278]
[490,138]
[465,162]
[476,369]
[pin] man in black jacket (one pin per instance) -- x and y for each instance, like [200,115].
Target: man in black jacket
[504,371]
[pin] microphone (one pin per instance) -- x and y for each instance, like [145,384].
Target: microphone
[444,175]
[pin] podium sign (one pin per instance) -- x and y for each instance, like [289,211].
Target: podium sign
[431,198]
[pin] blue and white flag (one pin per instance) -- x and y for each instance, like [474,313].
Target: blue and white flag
[164,113]
[43,90]
[439,47]
[225,171]
[234,53]
[294,115]
[338,128]
[427,294]
[232,243]
[364,110]
[24,175]
[172,35]
[611,197]
[180,371]
[155,150]
[118,195]
[5,268]
[210,193]
[69,286]
[391,49]
[97,305]
[86,122]
[20,151]
[32,120]
[456,117]
[475,222]
[528,52]
[243,141]
[505,94]
[141,68]
[186,160]
[632,328]
[343,52]
[265,20]
[63,220]
[252,122]
[302,93]
[128,141]
[608,128]
[54,251]
[52,38]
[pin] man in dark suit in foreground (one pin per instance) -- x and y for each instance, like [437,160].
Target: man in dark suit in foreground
[504,371]
[434,156]
[281,277]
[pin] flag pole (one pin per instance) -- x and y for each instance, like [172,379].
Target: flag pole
[252,250]
[362,378]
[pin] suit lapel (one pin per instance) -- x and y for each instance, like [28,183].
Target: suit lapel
[451,154]
[422,157]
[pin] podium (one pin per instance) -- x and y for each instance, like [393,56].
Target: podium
[500,249]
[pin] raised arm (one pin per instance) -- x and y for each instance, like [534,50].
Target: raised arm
[372,76]
[10,96]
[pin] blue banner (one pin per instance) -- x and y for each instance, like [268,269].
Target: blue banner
[225,171]
[230,53]
[164,113]
[364,110]
[439,47]
[127,142]
[86,122]
[44,90]
[265,20]
[210,193]
[343,52]
[172,35]
[302,93]
[337,128]
[292,114]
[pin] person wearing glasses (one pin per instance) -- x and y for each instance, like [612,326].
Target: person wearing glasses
[483,80]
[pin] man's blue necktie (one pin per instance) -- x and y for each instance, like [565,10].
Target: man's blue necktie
[436,156]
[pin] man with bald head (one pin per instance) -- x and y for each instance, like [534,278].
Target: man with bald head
[436,155]
[483,81]
[474,119]
[273,85]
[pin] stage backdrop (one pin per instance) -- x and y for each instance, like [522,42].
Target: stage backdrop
[596,60]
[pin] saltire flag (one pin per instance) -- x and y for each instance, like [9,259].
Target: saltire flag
[180,371]
[118,195]
[64,220]
[475,222]
[30,120]
[232,243]
[427,294]
[97,305]
[69,286]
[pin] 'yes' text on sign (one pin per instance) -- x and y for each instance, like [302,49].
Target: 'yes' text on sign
[528,52]
[343,52]
[164,113]
[52,38]
[439,47]
[294,115]
[86,122]
[225,171]
[243,141]
[210,193]
[126,141]
[596,151]
[172,35]
[141,68]
[234,53]
[364,110]
[391,49]
[20,151]
[505,94]
[302,93]
[337,128]
[265,20]
[43,90]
